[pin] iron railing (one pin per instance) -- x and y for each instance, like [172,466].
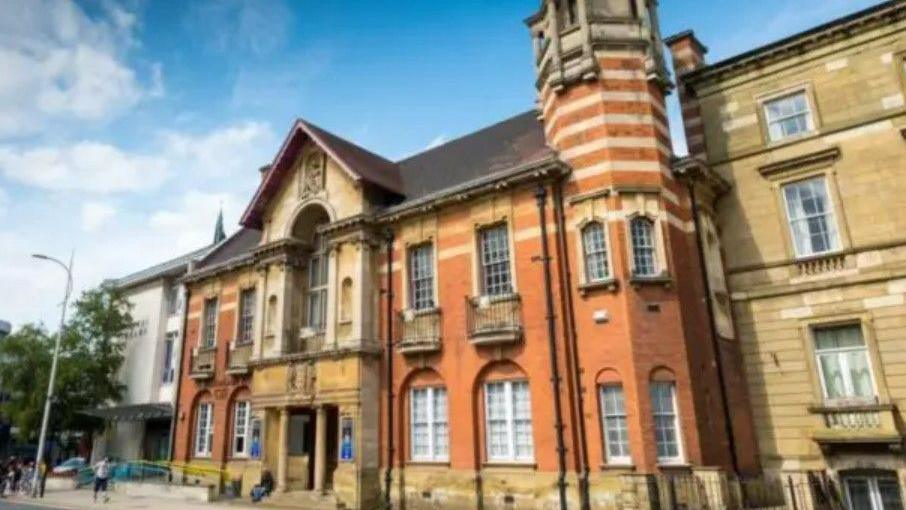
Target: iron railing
[494,319]
[418,331]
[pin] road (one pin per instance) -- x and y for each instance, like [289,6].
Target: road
[17,505]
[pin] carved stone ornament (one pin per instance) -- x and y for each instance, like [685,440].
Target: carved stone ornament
[301,378]
[313,174]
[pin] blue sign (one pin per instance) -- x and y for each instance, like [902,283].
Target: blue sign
[346,452]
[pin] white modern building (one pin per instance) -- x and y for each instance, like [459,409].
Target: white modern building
[140,426]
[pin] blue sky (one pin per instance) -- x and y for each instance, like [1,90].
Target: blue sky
[124,126]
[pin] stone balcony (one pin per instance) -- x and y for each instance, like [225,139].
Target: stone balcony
[857,424]
[419,331]
[203,359]
[494,320]
[239,358]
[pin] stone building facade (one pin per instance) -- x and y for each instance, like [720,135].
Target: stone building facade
[797,155]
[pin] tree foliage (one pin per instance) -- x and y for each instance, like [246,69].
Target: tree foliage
[91,354]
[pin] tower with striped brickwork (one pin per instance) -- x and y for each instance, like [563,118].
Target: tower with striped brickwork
[641,321]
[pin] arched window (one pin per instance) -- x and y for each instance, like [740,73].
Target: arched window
[662,388]
[508,416]
[317,285]
[644,259]
[204,429]
[594,247]
[429,435]
[242,413]
[613,418]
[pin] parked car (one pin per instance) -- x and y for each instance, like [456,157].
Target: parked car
[70,466]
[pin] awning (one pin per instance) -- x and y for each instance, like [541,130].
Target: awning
[134,412]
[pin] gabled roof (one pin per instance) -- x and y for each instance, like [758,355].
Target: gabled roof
[360,164]
[509,144]
[238,245]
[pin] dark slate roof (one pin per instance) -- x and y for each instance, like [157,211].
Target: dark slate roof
[171,268]
[503,146]
[234,247]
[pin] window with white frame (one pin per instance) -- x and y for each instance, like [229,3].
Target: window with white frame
[209,329]
[421,277]
[843,363]
[429,432]
[644,256]
[594,245]
[811,217]
[246,316]
[494,247]
[204,429]
[172,298]
[168,370]
[788,116]
[241,419]
[508,416]
[616,432]
[666,423]
[868,492]
[317,287]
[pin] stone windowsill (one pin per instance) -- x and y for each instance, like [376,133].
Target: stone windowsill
[504,465]
[617,467]
[610,285]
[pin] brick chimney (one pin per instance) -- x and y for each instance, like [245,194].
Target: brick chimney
[689,55]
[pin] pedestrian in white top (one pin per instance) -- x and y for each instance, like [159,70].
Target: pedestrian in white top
[101,473]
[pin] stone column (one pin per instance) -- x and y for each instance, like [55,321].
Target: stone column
[320,447]
[282,447]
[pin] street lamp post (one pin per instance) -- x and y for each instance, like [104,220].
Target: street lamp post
[53,369]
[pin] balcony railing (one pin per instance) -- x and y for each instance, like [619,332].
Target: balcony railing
[493,320]
[419,331]
[203,362]
[307,341]
[857,423]
[239,359]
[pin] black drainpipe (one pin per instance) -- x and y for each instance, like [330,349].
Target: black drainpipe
[388,475]
[569,322]
[541,195]
[715,343]
[177,383]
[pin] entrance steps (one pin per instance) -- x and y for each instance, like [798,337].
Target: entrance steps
[307,500]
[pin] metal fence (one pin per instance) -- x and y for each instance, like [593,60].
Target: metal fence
[814,491]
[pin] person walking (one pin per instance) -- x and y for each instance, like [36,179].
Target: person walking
[101,473]
[42,471]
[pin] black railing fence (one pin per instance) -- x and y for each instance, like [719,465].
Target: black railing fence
[812,491]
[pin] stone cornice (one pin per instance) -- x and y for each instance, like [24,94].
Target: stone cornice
[343,352]
[811,160]
[820,36]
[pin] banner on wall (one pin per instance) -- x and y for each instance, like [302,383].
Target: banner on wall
[346,436]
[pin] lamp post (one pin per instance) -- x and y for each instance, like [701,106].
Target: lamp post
[53,368]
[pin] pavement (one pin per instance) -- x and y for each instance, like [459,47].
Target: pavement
[82,500]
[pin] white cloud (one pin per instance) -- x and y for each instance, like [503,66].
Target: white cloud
[86,166]
[224,152]
[4,202]
[60,63]
[227,153]
[245,25]
[96,214]
[189,224]
[437,142]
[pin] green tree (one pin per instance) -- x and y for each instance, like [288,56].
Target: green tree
[91,354]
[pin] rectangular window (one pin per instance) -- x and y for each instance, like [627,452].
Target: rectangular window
[843,364]
[168,371]
[595,251]
[429,432]
[172,298]
[317,292]
[209,330]
[495,261]
[644,261]
[246,316]
[508,416]
[811,217]
[873,492]
[204,429]
[421,277]
[241,417]
[788,116]
[666,425]
[616,432]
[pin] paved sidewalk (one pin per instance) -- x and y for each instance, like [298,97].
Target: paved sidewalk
[82,499]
